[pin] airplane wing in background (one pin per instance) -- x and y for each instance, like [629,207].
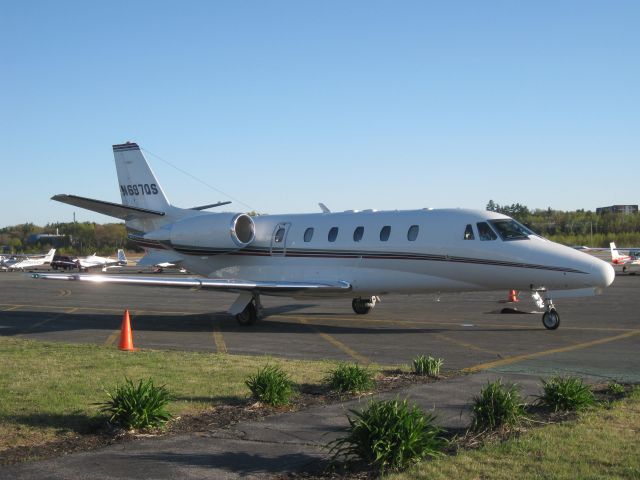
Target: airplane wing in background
[205,283]
[123,212]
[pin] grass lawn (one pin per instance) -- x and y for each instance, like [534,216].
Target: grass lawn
[49,390]
[600,444]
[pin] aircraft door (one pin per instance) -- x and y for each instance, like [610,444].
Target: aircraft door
[279,239]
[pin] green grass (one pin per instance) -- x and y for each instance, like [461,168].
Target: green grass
[350,378]
[389,435]
[600,444]
[497,405]
[50,390]
[271,385]
[429,366]
[138,406]
[565,394]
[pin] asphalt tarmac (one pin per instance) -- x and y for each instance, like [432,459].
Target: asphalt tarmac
[598,339]
[598,336]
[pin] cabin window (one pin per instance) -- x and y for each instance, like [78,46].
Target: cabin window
[384,233]
[279,236]
[412,234]
[511,230]
[308,234]
[485,232]
[357,234]
[468,233]
[333,234]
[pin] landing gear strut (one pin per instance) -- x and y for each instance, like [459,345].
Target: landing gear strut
[550,317]
[362,306]
[251,313]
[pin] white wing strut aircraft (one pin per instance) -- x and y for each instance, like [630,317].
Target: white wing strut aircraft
[361,255]
[95,261]
[30,261]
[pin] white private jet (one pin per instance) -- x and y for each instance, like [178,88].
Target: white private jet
[95,261]
[361,255]
[630,262]
[28,261]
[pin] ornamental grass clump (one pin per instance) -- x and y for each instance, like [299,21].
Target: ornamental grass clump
[565,394]
[429,366]
[138,406]
[350,378]
[496,406]
[389,435]
[271,386]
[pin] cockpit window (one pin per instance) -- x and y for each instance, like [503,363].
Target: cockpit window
[485,232]
[468,233]
[511,230]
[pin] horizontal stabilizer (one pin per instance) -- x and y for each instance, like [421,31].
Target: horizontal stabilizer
[203,283]
[116,210]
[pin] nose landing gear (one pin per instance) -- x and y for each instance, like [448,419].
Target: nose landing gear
[362,306]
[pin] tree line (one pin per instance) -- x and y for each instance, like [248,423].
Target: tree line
[80,238]
[580,227]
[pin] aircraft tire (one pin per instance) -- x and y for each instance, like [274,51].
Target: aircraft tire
[361,306]
[551,319]
[248,316]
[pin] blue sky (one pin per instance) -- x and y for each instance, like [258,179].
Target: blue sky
[373,104]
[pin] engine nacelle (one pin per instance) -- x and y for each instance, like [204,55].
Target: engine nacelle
[218,232]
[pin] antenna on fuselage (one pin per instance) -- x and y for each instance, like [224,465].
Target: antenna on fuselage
[324,208]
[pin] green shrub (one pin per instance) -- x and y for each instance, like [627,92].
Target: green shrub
[497,405]
[565,394]
[428,366]
[615,388]
[271,385]
[389,435]
[350,378]
[140,406]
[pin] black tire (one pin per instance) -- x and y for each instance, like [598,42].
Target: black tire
[551,319]
[248,316]
[361,306]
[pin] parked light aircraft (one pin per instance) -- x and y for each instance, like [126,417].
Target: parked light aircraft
[357,254]
[95,261]
[628,262]
[29,261]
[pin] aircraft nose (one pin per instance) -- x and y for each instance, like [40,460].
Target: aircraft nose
[603,274]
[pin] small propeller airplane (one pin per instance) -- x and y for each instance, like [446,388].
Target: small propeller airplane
[361,255]
[28,261]
[630,262]
[104,263]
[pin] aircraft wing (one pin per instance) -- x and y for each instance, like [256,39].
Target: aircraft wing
[123,212]
[204,283]
[155,257]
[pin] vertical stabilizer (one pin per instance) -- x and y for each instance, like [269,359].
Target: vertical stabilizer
[138,184]
[122,258]
[615,255]
[48,258]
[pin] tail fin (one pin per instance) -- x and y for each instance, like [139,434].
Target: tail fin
[122,258]
[615,255]
[138,185]
[48,258]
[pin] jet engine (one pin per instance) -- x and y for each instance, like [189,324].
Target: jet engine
[219,232]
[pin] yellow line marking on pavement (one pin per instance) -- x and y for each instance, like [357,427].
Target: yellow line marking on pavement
[95,309]
[14,307]
[218,339]
[544,353]
[466,345]
[111,339]
[335,342]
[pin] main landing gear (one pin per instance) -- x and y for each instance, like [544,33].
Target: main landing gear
[251,312]
[550,317]
[362,306]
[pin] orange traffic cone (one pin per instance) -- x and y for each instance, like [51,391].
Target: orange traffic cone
[126,336]
[513,296]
